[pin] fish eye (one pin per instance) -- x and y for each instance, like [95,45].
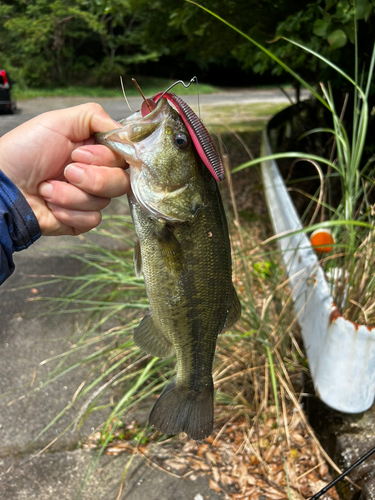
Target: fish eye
[181,140]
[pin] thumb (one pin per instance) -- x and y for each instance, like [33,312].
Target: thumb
[78,123]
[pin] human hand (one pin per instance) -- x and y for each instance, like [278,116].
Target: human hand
[64,176]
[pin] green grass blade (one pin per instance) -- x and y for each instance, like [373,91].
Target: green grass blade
[328,131]
[140,380]
[278,156]
[321,225]
[276,398]
[370,73]
[322,58]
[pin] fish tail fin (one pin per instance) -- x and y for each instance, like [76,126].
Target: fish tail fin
[180,409]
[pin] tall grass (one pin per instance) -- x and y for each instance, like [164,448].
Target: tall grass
[351,267]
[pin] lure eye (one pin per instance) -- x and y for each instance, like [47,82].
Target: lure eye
[181,140]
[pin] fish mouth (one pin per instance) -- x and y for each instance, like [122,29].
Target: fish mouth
[135,129]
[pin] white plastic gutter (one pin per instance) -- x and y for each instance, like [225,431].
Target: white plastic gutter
[341,354]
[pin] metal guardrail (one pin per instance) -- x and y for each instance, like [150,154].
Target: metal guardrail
[341,353]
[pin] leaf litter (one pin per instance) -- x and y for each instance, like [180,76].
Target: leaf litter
[239,460]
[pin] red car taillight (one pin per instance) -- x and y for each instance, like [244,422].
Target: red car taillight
[4,76]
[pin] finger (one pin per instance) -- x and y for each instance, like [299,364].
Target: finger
[106,182]
[98,155]
[78,123]
[93,118]
[49,225]
[79,221]
[71,197]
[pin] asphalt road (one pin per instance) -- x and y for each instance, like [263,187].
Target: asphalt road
[118,109]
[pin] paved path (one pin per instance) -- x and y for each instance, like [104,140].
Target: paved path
[118,109]
[26,339]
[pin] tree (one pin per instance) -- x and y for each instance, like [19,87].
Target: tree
[65,41]
[40,38]
[96,40]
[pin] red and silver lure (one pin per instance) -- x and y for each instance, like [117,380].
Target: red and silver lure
[203,143]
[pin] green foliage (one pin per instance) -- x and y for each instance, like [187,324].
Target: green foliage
[264,269]
[324,26]
[327,27]
[64,41]
[39,37]
[93,41]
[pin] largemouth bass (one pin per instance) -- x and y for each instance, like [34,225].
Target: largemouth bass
[183,250]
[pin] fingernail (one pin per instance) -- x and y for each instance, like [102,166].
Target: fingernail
[74,174]
[45,190]
[82,156]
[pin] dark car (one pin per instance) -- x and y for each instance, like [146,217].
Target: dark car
[7,103]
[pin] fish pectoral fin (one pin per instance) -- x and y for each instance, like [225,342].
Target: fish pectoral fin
[169,195]
[234,312]
[151,340]
[137,259]
[173,256]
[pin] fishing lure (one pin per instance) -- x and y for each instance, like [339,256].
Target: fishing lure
[203,143]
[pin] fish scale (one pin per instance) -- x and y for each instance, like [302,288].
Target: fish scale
[185,256]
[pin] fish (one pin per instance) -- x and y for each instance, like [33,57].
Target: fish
[183,249]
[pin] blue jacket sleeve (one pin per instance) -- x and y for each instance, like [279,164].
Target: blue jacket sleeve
[18,225]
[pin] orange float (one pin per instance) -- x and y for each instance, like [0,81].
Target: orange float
[322,240]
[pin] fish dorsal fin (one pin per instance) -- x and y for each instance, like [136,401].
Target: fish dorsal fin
[151,340]
[137,259]
[234,312]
